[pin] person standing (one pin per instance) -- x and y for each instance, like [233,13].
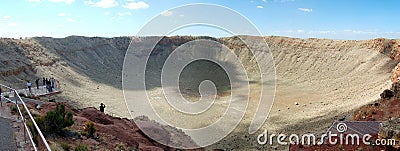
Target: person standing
[48,86]
[44,81]
[29,85]
[52,82]
[37,83]
[102,106]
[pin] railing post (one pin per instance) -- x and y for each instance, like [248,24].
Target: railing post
[24,130]
[1,101]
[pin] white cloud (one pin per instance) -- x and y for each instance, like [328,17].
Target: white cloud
[63,1]
[34,1]
[12,24]
[305,9]
[6,17]
[360,31]
[260,7]
[167,13]
[60,25]
[63,14]
[69,19]
[321,32]
[124,14]
[107,13]
[264,0]
[136,5]
[102,3]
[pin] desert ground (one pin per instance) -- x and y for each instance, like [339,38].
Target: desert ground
[327,78]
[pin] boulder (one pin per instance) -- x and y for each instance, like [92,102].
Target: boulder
[387,94]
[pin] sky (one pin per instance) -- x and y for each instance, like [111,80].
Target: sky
[333,19]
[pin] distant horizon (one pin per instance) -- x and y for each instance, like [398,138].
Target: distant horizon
[188,36]
[339,19]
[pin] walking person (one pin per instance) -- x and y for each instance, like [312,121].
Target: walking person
[37,83]
[52,82]
[29,85]
[44,81]
[102,106]
[48,86]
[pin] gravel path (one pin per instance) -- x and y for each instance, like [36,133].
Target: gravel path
[6,135]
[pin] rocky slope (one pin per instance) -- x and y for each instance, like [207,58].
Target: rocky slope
[112,133]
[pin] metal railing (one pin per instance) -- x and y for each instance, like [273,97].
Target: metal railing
[18,98]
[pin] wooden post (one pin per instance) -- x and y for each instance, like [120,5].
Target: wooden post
[11,91]
[23,125]
[1,102]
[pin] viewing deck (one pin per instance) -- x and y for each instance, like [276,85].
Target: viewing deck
[35,93]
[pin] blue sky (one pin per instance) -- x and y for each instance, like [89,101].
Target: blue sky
[335,19]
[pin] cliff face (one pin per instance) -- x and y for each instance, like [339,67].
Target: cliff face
[91,56]
[112,133]
[22,59]
[97,58]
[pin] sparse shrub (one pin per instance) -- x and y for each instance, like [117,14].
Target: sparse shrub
[65,146]
[14,109]
[22,95]
[89,129]
[119,147]
[58,119]
[23,111]
[81,147]
[54,121]
[34,133]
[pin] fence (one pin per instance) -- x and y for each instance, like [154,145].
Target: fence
[17,100]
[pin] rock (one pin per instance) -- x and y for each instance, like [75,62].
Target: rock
[387,94]
[296,103]
[390,130]
[395,87]
[34,112]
